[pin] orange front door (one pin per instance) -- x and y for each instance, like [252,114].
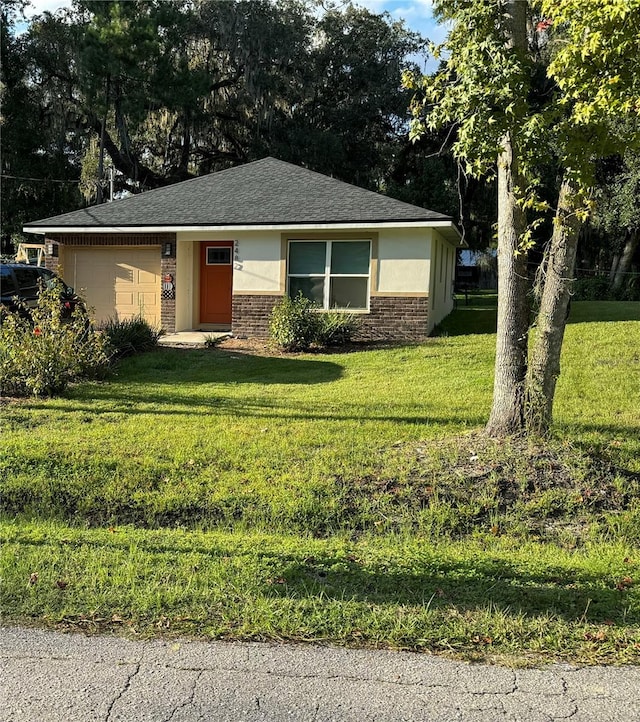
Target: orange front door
[216,271]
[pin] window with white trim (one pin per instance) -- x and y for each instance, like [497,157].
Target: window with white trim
[334,274]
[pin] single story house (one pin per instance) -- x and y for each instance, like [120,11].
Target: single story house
[218,251]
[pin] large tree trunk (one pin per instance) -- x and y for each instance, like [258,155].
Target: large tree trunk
[507,411]
[544,364]
[624,264]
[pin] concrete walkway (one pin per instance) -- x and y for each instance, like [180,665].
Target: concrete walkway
[196,339]
[51,677]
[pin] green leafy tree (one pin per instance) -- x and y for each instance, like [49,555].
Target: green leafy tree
[426,174]
[527,84]
[618,214]
[39,161]
[346,116]
[166,91]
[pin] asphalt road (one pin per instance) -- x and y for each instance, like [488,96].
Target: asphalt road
[51,677]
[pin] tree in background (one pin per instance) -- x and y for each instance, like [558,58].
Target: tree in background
[618,214]
[160,92]
[347,116]
[39,159]
[166,91]
[425,173]
[528,84]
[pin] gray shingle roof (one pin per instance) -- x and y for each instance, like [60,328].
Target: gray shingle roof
[265,192]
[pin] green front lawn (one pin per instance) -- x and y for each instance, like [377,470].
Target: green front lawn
[342,497]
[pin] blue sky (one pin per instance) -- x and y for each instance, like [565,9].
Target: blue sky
[417,15]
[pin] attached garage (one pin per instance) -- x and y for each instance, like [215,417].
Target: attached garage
[116,281]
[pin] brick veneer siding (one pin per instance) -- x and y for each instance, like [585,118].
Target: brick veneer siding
[168,300]
[395,318]
[251,314]
[52,263]
[398,318]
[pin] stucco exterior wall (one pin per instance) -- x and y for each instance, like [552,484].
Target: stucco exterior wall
[257,265]
[443,265]
[406,263]
[403,262]
[185,290]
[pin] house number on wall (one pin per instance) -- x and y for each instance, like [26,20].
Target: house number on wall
[237,263]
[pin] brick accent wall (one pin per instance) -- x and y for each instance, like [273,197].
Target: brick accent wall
[52,263]
[251,314]
[168,299]
[397,318]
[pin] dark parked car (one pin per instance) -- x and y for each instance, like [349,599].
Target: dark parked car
[24,282]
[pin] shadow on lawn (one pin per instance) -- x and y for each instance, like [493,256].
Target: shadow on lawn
[479,314]
[135,391]
[483,582]
[176,404]
[480,583]
[469,321]
[203,367]
[603,311]
[627,432]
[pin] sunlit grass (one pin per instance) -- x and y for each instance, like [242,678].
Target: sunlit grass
[244,429]
[482,597]
[341,497]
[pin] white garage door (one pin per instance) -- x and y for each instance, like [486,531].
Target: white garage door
[116,282]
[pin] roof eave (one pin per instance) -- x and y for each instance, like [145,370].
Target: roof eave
[446,227]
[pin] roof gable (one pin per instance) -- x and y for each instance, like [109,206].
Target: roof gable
[265,192]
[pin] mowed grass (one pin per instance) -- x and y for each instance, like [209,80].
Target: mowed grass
[210,437]
[342,498]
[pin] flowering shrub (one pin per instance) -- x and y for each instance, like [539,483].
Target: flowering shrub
[41,352]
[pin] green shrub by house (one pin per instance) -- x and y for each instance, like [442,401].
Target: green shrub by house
[130,336]
[294,323]
[336,328]
[297,325]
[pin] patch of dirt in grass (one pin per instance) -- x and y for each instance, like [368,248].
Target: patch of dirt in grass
[13,400]
[265,347]
[253,346]
[469,483]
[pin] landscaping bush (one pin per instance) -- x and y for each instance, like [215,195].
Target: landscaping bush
[130,336]
[297,325]
[336,328]
[294,323]
[41,352]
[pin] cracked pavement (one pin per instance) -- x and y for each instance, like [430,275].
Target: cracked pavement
[50,677]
